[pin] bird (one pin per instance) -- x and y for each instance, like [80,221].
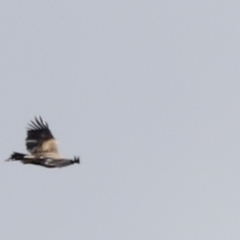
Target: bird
[42,147]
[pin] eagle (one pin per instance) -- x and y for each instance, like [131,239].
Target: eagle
[42,147]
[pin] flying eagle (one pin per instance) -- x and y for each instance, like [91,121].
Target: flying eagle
[43,147]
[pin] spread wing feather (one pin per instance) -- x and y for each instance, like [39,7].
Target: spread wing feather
[40,138]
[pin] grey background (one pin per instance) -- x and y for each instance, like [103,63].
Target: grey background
[147,94]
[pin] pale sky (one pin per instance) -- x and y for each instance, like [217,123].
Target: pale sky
[147,93]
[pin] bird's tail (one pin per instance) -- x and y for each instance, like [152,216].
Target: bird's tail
[76,160]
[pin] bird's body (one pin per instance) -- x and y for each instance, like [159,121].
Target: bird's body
[43,148]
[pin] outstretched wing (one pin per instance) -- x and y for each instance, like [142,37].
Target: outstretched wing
[53,163]
[39,138]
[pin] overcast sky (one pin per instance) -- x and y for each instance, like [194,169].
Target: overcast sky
[147,93]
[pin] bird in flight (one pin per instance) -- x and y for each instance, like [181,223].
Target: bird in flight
[43,147]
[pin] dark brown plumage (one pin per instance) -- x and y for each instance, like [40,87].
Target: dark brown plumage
[43,147]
